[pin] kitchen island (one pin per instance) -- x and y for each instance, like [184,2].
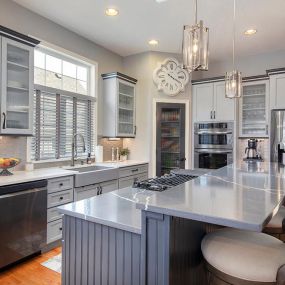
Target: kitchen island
[156,236]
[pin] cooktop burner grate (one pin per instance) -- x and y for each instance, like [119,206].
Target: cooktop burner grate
[164,182]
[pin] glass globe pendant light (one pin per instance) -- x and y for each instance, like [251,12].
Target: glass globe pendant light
[233,79]
[195,46]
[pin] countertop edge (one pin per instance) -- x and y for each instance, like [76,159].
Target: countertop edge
[204,218]
[101,221]
[40,177]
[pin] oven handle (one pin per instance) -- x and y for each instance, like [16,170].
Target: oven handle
[212,151]
[213,132]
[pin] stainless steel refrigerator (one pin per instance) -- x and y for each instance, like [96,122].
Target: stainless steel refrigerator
[277,135]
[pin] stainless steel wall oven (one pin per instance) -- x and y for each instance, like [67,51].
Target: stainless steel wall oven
[213,144]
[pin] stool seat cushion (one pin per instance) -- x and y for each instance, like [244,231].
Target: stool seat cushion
[246,255]
[276,221]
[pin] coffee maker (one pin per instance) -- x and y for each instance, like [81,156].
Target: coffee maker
[251,151]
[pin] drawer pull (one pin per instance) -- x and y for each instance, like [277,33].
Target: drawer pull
[135,170]
[61,198]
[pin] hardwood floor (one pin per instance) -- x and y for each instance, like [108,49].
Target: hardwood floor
[31,272]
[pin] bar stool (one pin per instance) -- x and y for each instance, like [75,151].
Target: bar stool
[276,226]
[239,257]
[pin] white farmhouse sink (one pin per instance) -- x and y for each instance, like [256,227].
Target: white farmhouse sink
[93,174]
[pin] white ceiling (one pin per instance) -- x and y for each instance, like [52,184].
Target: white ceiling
[141,20]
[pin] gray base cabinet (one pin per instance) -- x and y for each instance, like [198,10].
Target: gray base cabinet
[60,192]
[89,191]
[128,175]
[94,254]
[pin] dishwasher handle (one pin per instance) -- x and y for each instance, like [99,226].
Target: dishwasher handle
[18,188]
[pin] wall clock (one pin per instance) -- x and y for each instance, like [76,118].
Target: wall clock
[170,77]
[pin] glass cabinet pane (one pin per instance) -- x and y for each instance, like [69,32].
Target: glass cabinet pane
[17,89]
[170,137]
[254,110]
[126,109]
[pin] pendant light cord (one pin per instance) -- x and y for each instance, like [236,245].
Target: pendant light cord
[195,5]
[234,32]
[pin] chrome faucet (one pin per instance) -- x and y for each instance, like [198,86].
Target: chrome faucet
[73,147]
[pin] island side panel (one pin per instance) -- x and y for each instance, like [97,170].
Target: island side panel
[171,250]
[95,254]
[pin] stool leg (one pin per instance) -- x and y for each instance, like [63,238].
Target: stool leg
[281,276]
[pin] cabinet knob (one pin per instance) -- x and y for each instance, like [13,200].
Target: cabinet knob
[60,198]
[60,229]
[60,184]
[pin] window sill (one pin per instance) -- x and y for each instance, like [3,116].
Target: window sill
[58,160]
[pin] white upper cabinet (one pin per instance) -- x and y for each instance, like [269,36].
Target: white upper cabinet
[17,83]
[224,107]
[119,99]
[254,109]
[277,91]
[210,103]
[203,102]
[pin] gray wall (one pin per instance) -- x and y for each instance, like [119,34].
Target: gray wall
[23,20]
[249,66]
[141,67]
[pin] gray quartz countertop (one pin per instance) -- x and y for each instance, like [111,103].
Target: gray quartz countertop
[28,176]
[115,209]
[242,195]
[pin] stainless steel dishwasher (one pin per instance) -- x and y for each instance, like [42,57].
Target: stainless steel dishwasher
[23,218]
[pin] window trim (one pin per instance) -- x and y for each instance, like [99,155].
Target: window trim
[93,94]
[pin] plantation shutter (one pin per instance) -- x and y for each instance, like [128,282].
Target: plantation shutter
[57,118]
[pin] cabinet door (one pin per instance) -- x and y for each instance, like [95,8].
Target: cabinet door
[277,91]
[203,102]
[126,109]
[86,192]
[254,109]
[224,107]
[17,88]
[109,186]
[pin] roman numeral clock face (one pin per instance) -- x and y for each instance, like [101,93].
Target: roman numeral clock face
[170,77]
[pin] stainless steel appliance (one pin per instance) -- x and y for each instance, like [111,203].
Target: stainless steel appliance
[251,151]
[164,182]
[213,144]
[277,135]
[23,217]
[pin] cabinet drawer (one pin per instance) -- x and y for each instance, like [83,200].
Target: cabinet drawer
[60,198]
[129,181]
[133,170]
[109,186]
[53,214]
[54,231]
[86,192]
[59,184]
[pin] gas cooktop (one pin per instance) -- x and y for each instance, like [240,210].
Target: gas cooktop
[164,182]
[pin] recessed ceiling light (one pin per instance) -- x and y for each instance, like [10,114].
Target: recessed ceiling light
[153,42]
[111,12]
[250,32]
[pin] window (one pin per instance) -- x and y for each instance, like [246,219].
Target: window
[57,71]
[63,107]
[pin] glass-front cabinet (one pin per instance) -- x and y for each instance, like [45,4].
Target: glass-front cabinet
[126,110]
[16,88]
[119,101]
[254,109]
[170,137]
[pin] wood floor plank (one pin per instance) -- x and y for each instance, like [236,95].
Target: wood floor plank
[31,272]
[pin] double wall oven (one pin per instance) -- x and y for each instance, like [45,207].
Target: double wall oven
[213,145]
